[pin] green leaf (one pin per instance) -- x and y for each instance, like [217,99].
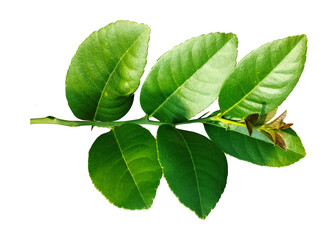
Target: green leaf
[188,78]
[123,166]
[106,71]
[264,78]
[194,167]
[257,149]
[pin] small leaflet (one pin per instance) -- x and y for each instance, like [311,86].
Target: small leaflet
[277,122]
[279,141]
[250,121]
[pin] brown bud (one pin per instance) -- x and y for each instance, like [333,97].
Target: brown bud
[250,121]
[277,122]
[279,141]
[286,125]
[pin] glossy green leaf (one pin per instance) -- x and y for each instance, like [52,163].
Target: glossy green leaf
[194,167]
[123,166]
[106,71]
[257,149]
[188,78]
[264,78]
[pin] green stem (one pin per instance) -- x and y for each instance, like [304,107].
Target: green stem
[217,118]
[140,121]
[57,121]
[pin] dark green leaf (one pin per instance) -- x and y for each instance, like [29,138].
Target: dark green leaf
[257,149]
[264,78]
[106,71]
[123,166]
[188,78]
[194,167]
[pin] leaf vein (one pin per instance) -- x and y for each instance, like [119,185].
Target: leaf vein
[189,79]
[195,172]
[114,69]
[261,81]
[123,157]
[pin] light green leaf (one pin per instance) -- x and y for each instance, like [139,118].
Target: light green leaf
[264,78]
[188,78]
[194,167]
[106,71]
[123,166]
[257,149]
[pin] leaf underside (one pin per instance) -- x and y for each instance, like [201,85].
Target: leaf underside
[123,166]
[188,78]
[194,167]
[257,148]
[264,78]
[105,71]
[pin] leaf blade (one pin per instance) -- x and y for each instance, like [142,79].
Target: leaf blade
[195,169]
[187,78]
[257,149]
[264,78]
[106,71]
[123,166]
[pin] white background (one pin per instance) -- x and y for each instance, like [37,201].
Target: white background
[45,189]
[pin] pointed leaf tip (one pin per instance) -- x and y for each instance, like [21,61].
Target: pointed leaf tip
[286,125]
[278,121]
[249,126]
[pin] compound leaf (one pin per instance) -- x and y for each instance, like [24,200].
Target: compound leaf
[257,149]
[194,167]
[123,166]
[105,71]
[264,78]
[188,78]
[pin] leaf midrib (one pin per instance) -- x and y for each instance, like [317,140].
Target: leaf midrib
[111,74]
[195,173]
[247,94]
[187,80]
[129,170]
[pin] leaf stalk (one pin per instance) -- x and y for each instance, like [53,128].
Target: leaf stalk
[141,121]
